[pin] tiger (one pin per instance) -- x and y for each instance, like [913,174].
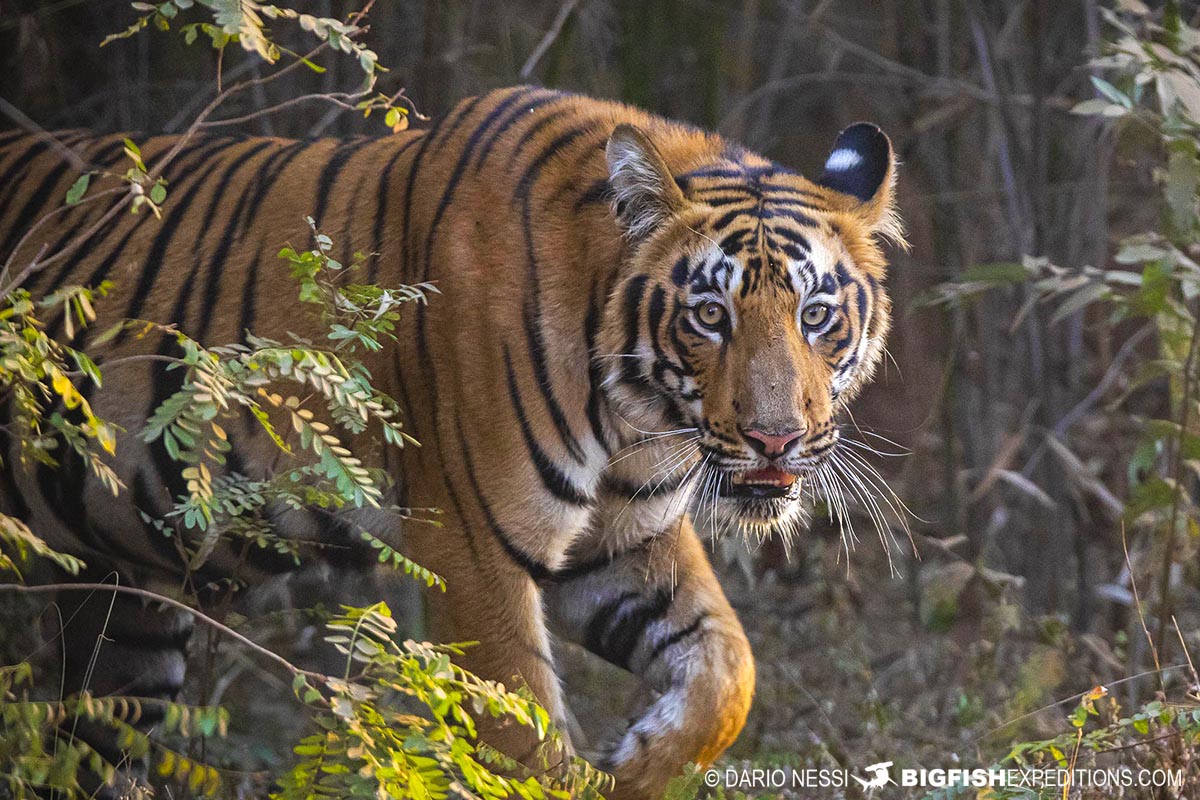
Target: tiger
[634,316]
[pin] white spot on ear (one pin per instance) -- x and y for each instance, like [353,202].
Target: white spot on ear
[843,159]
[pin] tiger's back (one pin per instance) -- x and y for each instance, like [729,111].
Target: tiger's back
[210,267]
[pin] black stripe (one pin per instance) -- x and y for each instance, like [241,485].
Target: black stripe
[674,639]
[10,183]
[552,477]
[616,642]
[531,565]
[202,150]
[536,343]
[156,258]
[143,498]
[266,178]
[597,627]
[10,136]
[333,168]
[627,634]
[405,403]
[598,192]
[97,241]
[534,337]
[410,246]
[62,486]
[631,490]
[382,206]
[34,207]
[216,264]
[542,123]
[10,494]
[408,264]
[584,568]
[634,292]
[156,687]
[456,175]
[591,328]
[149,640]
[165,384]
[535,99]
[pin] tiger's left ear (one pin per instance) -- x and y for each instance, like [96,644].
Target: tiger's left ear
[645,193]
[863,166]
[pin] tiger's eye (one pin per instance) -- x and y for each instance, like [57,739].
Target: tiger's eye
[814,316]
[711,315]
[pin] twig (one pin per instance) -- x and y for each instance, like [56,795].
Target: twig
[1162,738]
[1164,580]
[17,116]
[158,598]
[1137,601]
[564,12]
[119,362]
[340,99]
[1187,655]
[1073,698]
[46,217]
[185,113]
[37,264]
[1094,396]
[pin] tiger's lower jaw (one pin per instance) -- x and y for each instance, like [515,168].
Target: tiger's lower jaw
[755,509]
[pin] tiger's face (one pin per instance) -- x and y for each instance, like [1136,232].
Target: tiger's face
[753,308]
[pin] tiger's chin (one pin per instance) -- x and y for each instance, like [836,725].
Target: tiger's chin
[756,504]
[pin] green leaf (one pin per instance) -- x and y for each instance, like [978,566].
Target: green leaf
[1183,179]
[1111,92]
[78,188]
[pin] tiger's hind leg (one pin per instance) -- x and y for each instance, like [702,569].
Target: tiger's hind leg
[659,612]
[117,645]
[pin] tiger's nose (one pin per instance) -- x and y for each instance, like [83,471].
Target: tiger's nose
[772,445]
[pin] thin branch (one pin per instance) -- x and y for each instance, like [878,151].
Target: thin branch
[37,264]
[1188,655]
[120,362]
[200,616]
[339,99]
[1165,601]
[1141,616]
[564,12]
[1073,698]
[45,218]
[18,116]
[1064,425]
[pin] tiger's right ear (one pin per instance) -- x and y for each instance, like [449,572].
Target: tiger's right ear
[645,193]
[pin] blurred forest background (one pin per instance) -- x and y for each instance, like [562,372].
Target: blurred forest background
[1020,423]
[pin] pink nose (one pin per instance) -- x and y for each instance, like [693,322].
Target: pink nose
[772,445]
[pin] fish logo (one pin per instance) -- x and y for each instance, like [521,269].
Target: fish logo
[878,776]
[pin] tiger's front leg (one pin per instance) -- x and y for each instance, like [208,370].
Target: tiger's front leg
[493,602]
[658,611]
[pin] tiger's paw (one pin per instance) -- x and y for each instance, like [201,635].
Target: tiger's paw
[694,721]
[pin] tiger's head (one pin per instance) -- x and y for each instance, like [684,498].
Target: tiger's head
[750,309]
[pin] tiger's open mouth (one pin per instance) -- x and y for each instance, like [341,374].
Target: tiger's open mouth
[765,483]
